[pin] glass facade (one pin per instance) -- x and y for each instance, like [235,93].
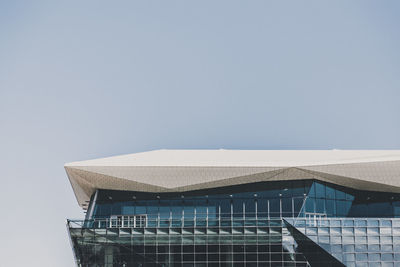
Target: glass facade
[278,199]
[352,241]
[268,245]
[283,223]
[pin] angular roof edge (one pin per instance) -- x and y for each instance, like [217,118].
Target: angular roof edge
[186,170]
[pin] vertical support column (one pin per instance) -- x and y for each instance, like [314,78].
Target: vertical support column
[256,209]
[231,211]
[195,214]
[170,219]
[207,206]
[219,217]
[158,212]
[244,211]
[108,256]
[93,202]
[183,214]
[292,207]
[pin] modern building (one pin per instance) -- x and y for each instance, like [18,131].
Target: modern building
[238,208]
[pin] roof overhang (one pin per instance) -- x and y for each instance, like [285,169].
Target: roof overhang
[187,170]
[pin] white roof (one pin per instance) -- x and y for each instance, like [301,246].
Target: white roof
[248,158]
[184,170]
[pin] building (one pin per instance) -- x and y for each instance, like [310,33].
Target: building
[238,208]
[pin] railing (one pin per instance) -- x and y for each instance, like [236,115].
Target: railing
[171,223]
[313,220]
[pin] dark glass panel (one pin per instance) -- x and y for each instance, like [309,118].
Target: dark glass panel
[201,208]
[176,208]
[298,188]
[140,207]
[330,207]
[330,192]
[340,195]
[116,208]
[359,210]
[128,208]
[200,257]
[251,248]
[270,193]
[380,209]
[309,206]
[311,193]
[297,204]
[188,257]
[287,190]
[213,207]
[188,208]
[262,208]
[213,257]
[250,207]
[320,205]
[176,249]
[238,248]
[264,257]
[320,190]
[396,209]
[105,209]
[274,207]
[238,256]
[225,248]
[200,248]
[342,207]
[251,257]
[276,248]
[287,207]
[188,249]
[349,197]
[225,205]
[165,213]
[238,207]
[201,211]
[244,195]
[152,210]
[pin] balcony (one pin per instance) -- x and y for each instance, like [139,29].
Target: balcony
[149,221]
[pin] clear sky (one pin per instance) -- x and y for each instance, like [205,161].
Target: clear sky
[88,79]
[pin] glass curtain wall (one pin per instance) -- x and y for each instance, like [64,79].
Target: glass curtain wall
[276,200]
[244,225]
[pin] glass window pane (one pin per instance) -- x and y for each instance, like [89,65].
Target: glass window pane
[330,192]
[310,205]
[287,207]
[274,207]
[320,190]
[188,209]
[262,208]
[225,205]
[330,207]
[250,207]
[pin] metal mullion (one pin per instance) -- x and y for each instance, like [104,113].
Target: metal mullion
[256,209]
[244,211]
[231,213]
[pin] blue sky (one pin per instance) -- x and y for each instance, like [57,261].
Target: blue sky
[81,80]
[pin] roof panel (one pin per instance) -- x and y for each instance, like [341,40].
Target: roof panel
[180,170]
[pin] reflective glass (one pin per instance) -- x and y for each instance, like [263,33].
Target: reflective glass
[196,228]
